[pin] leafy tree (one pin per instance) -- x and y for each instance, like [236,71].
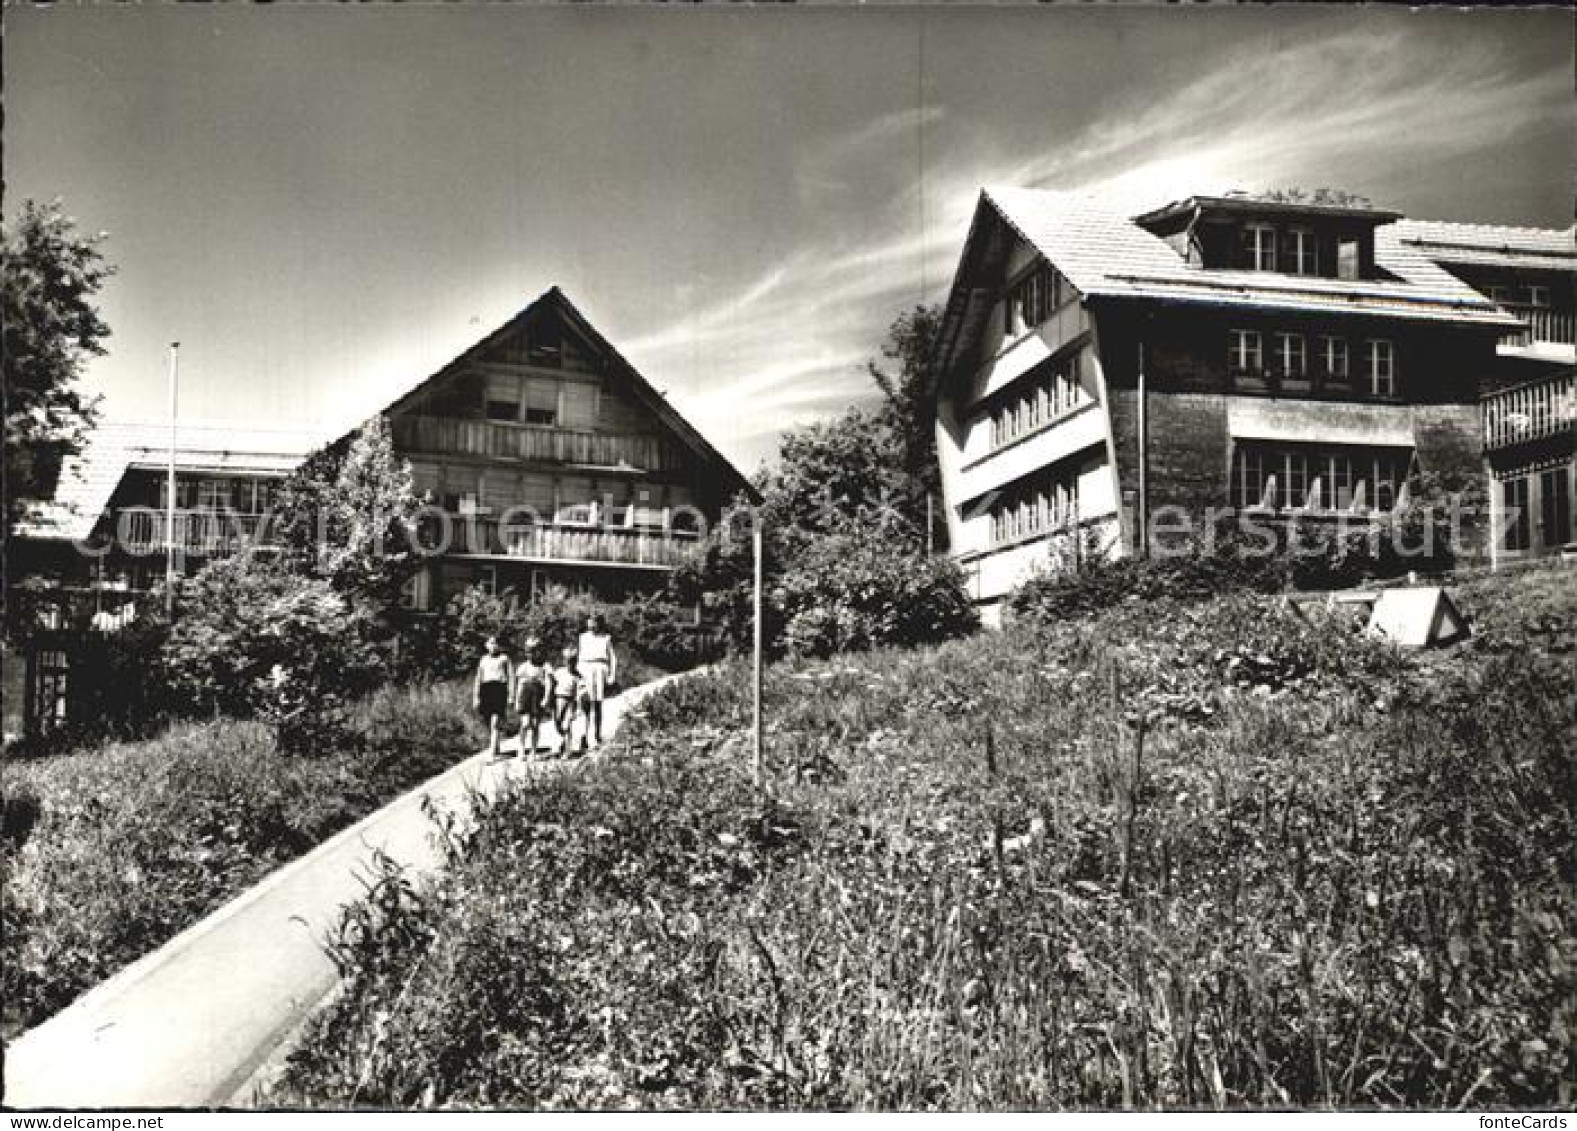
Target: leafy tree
[347,515]
[50,276]
[909,407]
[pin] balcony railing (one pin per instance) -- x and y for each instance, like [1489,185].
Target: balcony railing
[536,443]
[1530,412]
[1544,325]
[141,530]
[560,542]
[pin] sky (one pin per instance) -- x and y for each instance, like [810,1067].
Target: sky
[325,204]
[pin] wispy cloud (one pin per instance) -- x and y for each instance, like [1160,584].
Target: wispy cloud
[1355,110]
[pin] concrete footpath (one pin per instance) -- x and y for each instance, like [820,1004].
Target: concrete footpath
[190,1024]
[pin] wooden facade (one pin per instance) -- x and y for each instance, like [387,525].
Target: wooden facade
[548,460]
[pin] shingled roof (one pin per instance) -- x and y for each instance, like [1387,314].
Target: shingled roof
[1490,245]
[1105,254]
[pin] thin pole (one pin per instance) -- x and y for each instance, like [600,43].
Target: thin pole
[169,484]
[930,542]
[1144,462]
[755,536]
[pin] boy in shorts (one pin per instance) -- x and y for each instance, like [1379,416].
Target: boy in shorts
[565,682]
[533,696]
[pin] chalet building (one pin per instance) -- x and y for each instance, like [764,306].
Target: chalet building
[86,557]
[1103,376]
[545,457]
[1530,408]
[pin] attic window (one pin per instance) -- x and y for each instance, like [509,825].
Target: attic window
[1259,247]
[1347,258]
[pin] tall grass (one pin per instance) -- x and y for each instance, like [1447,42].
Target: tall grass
[1199,857]
[110,852]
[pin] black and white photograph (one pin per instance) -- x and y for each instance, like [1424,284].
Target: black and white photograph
[870,558]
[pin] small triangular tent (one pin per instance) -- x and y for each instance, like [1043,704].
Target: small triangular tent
[1417,618]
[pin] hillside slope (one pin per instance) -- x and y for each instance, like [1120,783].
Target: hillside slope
[1203,857]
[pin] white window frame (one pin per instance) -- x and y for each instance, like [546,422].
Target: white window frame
[1241,345]
[1381,377]
[1333,348]
[1538,296]
[1305,257]
[1285,353]
[1259,240]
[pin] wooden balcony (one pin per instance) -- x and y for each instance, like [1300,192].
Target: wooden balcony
[535,443]
[1530,412]
[559,542]
[1558,327]
[141,530]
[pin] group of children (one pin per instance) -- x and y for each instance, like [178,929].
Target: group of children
[576,687]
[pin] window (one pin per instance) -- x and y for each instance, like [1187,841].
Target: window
[1032,299]
[1247,353]
[1040,504]
[1311,477]
[1538,296]
[1300,252]
[213,495]
[1514,505]
[1333,357]
[1349,263]
[1499,294]
[1259,247]
[1291,356]
[1555,507]
[503,398]
[542,401]
[1050,390]
[1380,367]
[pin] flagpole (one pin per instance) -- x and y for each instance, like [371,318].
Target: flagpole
[760,766]
[169,501]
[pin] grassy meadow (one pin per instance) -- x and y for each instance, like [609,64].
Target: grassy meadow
[1162,856]
[110,851]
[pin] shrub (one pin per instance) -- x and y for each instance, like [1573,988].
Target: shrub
[239,619]
[852,591]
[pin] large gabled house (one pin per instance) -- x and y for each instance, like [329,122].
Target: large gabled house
[1530,410]
[545,458]
[1103,375]
[557,463]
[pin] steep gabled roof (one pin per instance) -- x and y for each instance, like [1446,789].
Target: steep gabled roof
[1491,245]
[89,478]
[1105,254]
[556,300]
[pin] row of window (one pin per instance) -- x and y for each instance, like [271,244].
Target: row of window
[227,493]
[1255,353]
[1307,477]
[1034,298]
[512,399]
[1533,295]
[1046,394]
[1044,504]
[1294,250]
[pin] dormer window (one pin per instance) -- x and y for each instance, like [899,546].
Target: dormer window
[1259,247]
[1349,263]
[1247,352]
[1301,252]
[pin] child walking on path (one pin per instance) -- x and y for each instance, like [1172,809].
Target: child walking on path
[490,692]
[533,696]
[567,686]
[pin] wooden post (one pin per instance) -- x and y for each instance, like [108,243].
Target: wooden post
[1144,462]
[755,535]
[169,502]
